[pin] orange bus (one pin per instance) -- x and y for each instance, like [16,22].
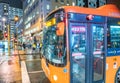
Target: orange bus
[82,45]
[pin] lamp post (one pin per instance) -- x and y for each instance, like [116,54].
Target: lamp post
[8,27]
[4,33]
[16,18]
[3,24]
[8,39]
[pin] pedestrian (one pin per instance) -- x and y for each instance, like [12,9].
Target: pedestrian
[24,46]
[33,47]
[38,47]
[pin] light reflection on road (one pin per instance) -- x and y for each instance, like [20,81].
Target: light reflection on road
[10,70]
[34,69]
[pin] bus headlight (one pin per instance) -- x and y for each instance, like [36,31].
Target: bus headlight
[55,77]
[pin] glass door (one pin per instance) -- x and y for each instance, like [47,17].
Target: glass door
[78,52]
[87,53]
[98,53]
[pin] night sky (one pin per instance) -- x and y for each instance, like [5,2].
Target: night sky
[13,3]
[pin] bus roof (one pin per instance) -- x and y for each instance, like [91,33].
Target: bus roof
[109,10]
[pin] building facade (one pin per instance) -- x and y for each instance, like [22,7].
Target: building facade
[36,10]
[116,2]
[19,30]
[31,18]
[4,14]
[34,13]
[12,13]
[81,3]
[8,13]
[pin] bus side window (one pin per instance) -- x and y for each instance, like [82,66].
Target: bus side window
[59,17]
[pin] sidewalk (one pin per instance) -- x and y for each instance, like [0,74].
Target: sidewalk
[2,59]
[10,71]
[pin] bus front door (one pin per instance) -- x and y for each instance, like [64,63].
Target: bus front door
[87,53]
[78,43]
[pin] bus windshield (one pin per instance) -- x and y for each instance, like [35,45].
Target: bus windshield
[53,45]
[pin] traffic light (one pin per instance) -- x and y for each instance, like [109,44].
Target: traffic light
[5,35]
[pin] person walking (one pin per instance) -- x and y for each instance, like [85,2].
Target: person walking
[24,46]
[33,47]
[40,46]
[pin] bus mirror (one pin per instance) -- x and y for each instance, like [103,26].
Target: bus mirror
[60,29]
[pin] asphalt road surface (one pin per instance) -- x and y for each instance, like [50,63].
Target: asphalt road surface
[34,70]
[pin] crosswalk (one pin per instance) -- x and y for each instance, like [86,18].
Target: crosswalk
[28,70]
[25,77]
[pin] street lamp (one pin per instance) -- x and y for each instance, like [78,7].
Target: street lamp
[16,18]
[3,19]
[3,24]
[8,26]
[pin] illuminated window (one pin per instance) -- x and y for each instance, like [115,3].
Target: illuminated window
[48,6]
[5,6]
[28,1]
[27,26]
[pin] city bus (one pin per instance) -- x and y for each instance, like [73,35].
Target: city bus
[82,45]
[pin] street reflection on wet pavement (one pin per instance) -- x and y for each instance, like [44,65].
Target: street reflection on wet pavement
[10,71]
[35,71]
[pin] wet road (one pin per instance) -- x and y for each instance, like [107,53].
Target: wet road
[34,70]
[10,71]
[27,70]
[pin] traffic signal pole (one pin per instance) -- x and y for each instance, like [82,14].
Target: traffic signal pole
[8,39]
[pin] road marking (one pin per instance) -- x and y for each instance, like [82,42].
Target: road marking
[25,77]
[36,71]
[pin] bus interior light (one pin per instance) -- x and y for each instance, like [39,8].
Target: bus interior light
[115,26]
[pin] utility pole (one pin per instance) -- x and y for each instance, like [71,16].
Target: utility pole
[8,26]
